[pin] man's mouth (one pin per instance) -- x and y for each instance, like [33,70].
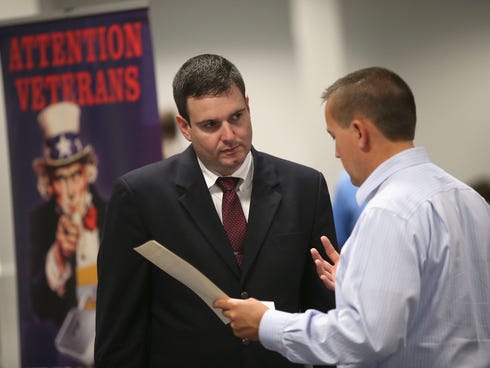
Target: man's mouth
[230,151]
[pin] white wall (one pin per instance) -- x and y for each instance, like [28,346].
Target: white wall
[288,52]
[9,336]
[442,49]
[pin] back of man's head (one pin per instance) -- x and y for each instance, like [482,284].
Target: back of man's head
[379,95]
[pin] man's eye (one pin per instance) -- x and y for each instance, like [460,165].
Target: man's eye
[209,124]
[237,116]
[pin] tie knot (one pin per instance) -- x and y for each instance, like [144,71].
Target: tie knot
[227,183]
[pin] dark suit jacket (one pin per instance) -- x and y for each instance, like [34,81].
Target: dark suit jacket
[145,318]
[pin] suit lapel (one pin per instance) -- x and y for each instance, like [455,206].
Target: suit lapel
[197,201]
[263,206]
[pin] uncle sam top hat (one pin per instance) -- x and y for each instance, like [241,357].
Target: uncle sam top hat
[60,125]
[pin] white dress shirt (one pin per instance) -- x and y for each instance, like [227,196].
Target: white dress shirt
[413,282]
[244,187]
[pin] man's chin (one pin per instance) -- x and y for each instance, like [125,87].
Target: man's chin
[228,167]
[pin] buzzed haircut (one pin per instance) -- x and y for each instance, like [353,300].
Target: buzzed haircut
[377,94]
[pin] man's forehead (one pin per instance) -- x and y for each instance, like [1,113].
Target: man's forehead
[231,91]
[214,107]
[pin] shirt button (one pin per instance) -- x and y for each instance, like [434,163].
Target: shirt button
[244,295]
[245,342]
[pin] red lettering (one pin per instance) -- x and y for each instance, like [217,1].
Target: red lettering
[15,61]
[38,99]
[68,87]
[100,94]
[70,47]
[134,46]
[22,88]
[115,77]
[115,44]
[74,47]
[27,43]
[89,35]
[84,83]
[102,44]
[52,83]
[57,41]
[105,86]
[133,88]
[42,41]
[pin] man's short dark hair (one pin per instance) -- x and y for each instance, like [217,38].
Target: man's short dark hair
[379,95]
[204,75]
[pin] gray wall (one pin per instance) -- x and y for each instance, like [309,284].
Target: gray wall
[288,52]
[442,48]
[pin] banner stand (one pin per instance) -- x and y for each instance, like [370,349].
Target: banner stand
[81,110]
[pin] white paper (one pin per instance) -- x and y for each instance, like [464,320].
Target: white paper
[183,272]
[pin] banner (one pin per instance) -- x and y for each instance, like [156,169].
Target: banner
[81,110]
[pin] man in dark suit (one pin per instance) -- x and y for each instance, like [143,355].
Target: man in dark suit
[145,318]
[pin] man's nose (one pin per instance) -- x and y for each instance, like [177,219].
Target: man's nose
[227,132]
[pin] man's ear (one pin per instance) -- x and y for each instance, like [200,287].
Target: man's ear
[362,131]
[184,127]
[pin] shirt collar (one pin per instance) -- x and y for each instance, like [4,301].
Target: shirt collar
[402,160]
[244,172]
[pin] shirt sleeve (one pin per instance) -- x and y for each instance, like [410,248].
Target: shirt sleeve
[272,335]
[377,293]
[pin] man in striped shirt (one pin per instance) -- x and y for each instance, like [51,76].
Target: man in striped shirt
[413,280]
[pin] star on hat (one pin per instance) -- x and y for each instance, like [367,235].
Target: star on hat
[60,125]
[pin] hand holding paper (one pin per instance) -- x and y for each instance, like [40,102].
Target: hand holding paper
[245,315]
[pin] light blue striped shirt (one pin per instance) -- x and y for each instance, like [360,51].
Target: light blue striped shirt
[413,282]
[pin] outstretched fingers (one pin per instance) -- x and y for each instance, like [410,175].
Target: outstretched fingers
[326,270]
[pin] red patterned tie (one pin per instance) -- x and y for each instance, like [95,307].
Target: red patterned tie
[233,218]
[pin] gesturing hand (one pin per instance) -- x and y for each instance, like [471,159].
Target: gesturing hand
[326,271]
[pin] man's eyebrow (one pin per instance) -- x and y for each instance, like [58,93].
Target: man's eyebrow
[240,110]
[204,121]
